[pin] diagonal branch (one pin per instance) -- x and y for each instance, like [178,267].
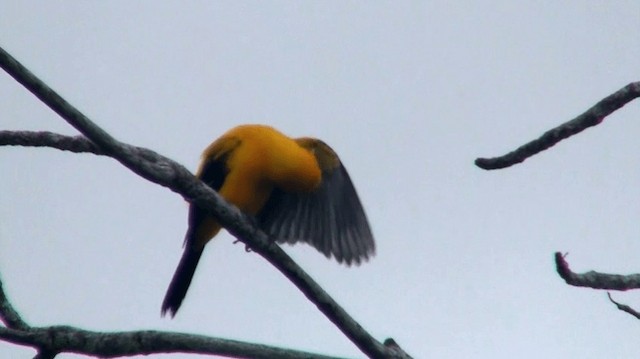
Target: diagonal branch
[624,307]
[591,117]
[165,172]
[594,279]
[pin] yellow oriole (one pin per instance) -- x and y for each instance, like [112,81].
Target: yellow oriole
[297,189]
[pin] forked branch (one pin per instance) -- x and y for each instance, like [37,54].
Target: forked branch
[165,172]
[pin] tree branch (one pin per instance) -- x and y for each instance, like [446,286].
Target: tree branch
[594,279]
[59,339]
[77,144]
[591,117]
[165,172]
[49,341]
[8,315]
[624,307]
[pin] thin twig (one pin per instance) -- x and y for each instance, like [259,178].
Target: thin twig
[591,117]
[624,307]
[594,279]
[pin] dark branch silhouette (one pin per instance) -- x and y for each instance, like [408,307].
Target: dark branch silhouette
[165,172]
[77,144]
[594,279]
[49,341]
[624,307]
[591,117]
[8,314]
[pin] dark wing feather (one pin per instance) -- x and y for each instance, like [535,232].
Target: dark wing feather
[213,172]
[331,218]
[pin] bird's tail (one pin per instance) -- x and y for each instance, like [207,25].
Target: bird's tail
[181,279]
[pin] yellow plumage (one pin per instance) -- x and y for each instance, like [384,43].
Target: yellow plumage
[297,189]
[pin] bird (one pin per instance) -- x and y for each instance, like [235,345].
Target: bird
[296,190]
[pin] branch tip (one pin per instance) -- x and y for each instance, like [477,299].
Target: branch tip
[592,117]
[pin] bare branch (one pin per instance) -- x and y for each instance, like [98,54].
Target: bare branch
[591,117]
[49,341]
[60,339]
[165,172]
[624,307]
[8,315]
[77,144]
[594,279]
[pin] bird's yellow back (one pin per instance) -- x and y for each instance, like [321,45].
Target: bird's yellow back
[257,158]
[266,154]
[296,189]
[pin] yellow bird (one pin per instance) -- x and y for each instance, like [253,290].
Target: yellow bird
[297,190]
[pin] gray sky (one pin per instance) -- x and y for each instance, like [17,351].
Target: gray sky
[409,94]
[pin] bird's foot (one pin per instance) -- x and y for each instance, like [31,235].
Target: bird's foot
[246,246]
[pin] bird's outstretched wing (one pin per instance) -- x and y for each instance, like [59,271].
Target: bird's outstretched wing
[331,218]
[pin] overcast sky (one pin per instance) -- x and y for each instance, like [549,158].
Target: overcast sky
[408,94]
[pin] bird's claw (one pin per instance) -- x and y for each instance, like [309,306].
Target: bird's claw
[246,246]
